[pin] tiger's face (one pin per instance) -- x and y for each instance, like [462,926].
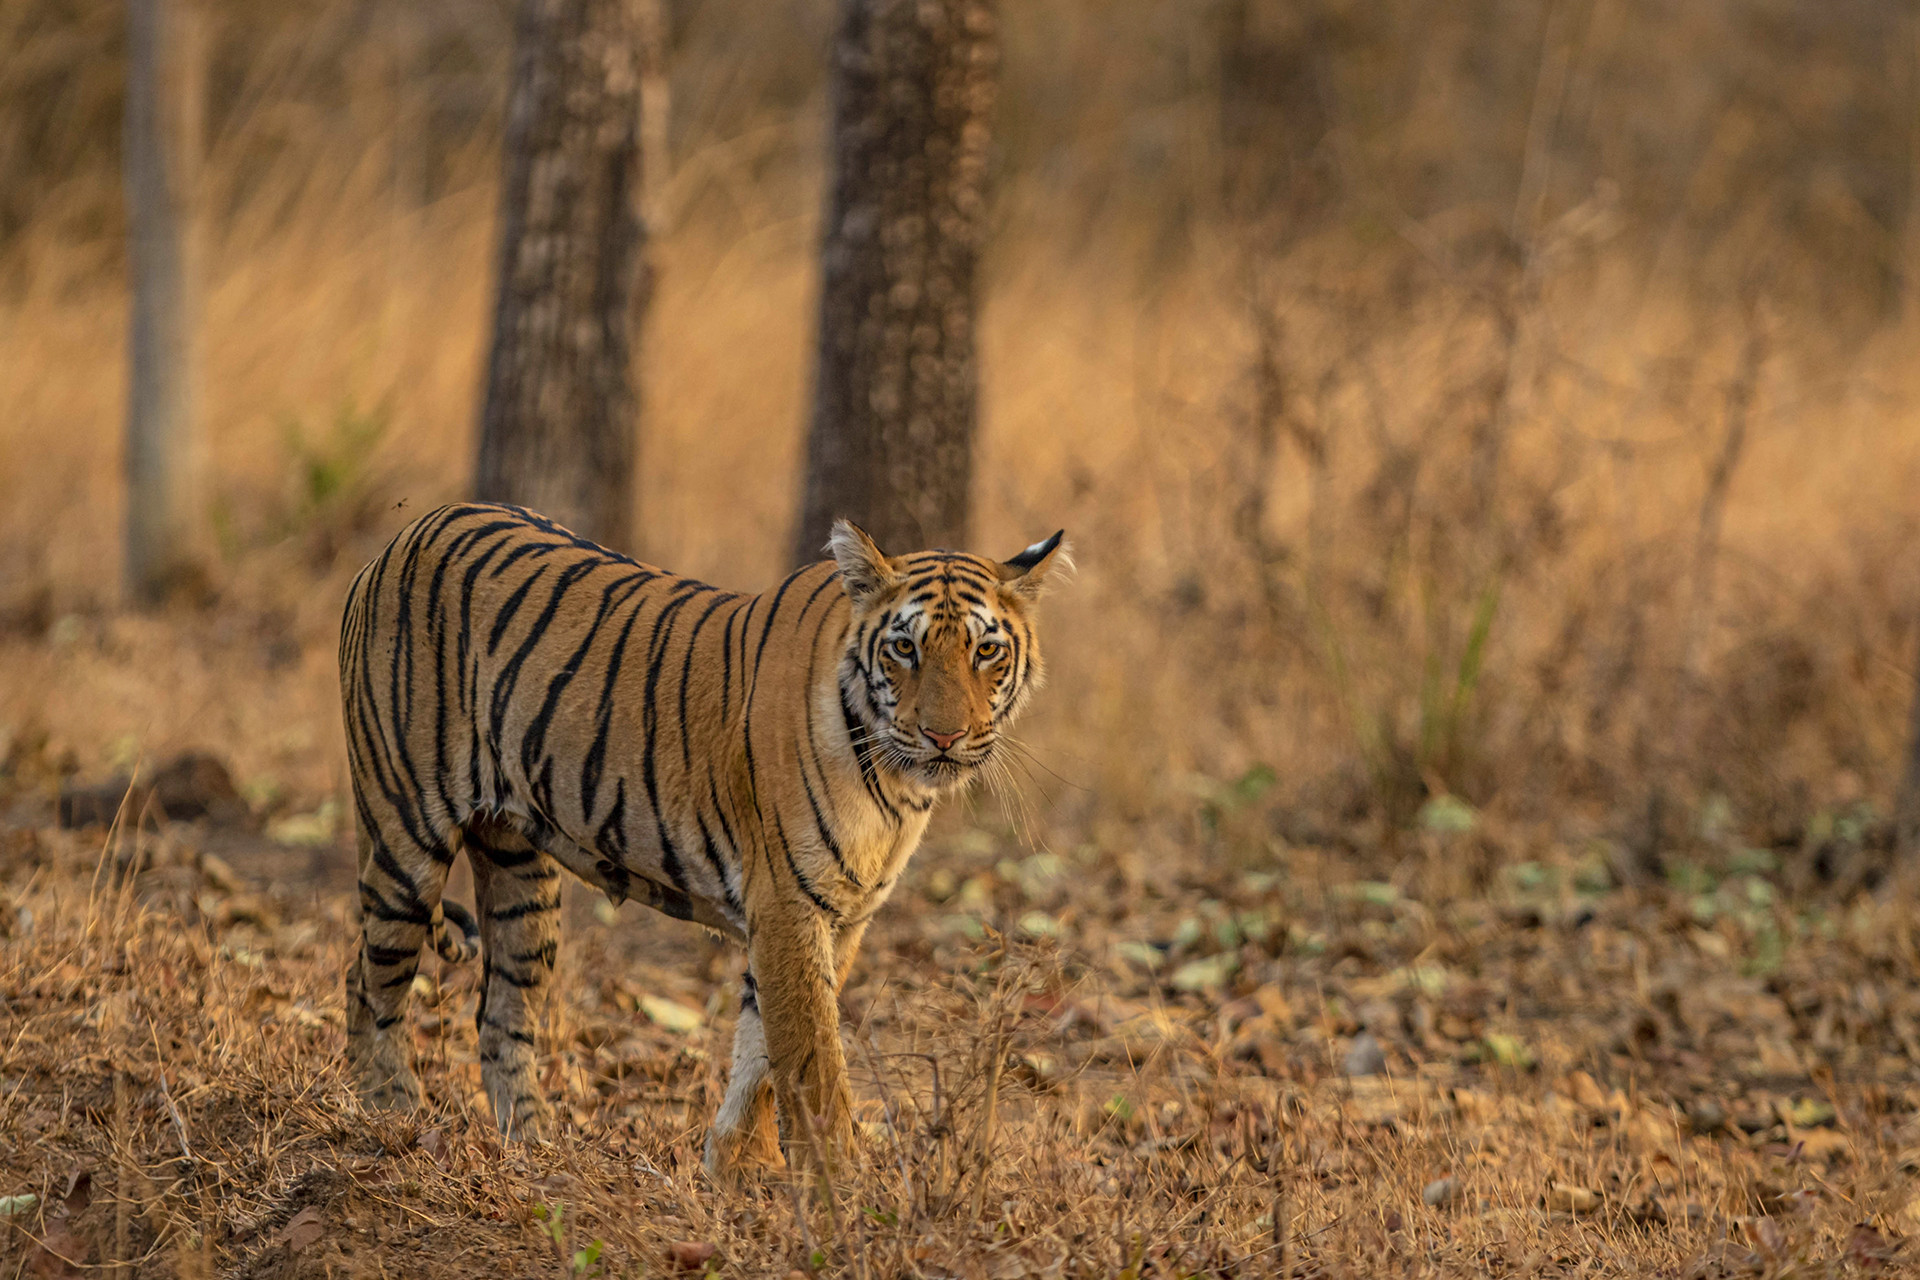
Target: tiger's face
[942,654]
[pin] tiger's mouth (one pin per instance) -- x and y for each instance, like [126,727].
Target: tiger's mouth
[941,768]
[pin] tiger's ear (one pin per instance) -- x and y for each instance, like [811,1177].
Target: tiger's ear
[865,571]
[1030,573]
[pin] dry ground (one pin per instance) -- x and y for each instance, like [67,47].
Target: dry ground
[1079,1063]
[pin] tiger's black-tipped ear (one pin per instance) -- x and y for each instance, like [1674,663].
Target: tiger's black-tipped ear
[865,570]
[1031,572]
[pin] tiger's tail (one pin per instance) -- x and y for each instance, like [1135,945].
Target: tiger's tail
[456,934]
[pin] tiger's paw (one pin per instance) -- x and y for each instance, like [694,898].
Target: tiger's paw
[523,1117]
[745,1155]
[381,1072]
[394,1091]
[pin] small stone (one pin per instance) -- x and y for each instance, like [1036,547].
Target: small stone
[1439,1193]
[1366,1057]
[1707,1115]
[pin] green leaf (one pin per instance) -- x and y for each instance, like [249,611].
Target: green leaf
[18,1206]
[1038,924]
[1769,952]
[1446,815]
[1509,1051]
[1199,975]
[1254,783]
[1375,893]
[1810,1113]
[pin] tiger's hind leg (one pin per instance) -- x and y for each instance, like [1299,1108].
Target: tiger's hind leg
[746,1132]
[400,885]
[517,892]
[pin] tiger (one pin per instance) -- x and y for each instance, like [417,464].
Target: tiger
[762,765]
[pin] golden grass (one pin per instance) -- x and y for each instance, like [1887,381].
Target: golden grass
[1115,408]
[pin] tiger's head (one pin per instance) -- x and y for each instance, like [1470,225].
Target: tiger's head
[942,653]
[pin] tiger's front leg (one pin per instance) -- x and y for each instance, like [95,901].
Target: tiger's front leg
[746,1133]
[792,953]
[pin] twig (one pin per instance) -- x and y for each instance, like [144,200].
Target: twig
[985,1149]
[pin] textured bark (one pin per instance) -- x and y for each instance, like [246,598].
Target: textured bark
[557,429]
[164,451]
[891,445]
[1907,805]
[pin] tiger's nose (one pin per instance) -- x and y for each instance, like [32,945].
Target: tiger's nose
[943,740]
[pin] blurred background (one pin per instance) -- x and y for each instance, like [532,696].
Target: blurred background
[1492,417]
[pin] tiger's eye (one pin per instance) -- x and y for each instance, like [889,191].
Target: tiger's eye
[988,650]
[902,648]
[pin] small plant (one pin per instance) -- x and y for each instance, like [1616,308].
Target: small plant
[332,465]
[577,1263]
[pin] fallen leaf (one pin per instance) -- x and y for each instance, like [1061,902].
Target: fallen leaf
[58,1255]
[434,1143]
[314,830]
[1868,1249]
[672,1015]
[1767,1234]
[1565,1197]
[79,1192]
[18,1206]
[218,875]
[1038,924]
[302,1230]
[690,1255]
[1806,1113]
[1201,975]
[1586,1091]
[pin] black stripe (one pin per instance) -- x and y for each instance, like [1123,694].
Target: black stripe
[799,878]
[504,618]
[521,910]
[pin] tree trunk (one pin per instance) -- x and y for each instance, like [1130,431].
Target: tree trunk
[161,155]
[891,445]
[1906,813]
[557,430]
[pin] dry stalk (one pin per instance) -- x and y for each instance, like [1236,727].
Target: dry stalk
[984,1151]
[124,1175]
[1689,678]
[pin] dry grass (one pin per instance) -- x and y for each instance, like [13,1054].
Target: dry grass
[1616,1082]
